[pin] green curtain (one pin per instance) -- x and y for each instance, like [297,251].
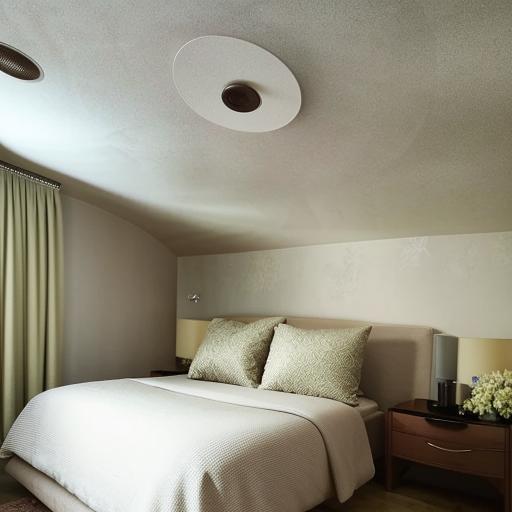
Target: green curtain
[30,292]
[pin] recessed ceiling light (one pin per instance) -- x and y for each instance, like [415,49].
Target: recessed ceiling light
[17,64]
[241,98]
[236,84]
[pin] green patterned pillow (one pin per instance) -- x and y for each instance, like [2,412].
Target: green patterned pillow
[234,352]
[324,362]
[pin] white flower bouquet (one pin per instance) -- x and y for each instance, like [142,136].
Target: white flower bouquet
[492,395]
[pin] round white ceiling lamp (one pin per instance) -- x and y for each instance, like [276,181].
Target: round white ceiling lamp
[236,84]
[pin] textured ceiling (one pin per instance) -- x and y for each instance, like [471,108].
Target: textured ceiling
[405,128]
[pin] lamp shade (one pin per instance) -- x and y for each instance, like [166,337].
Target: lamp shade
[189,335]
[477,356]
[444,361]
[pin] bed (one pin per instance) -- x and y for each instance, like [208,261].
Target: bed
[173,444]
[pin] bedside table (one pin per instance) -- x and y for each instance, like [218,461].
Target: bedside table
[416,432]
[167,373]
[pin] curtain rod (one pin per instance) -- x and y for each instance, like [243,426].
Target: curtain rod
[30,175]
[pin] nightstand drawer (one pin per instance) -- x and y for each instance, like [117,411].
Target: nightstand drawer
[472,436]
[449,455]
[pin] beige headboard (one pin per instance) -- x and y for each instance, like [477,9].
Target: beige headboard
[397,362]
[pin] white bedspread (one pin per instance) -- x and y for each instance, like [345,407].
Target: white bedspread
[172,444]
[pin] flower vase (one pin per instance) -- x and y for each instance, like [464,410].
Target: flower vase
[489,416]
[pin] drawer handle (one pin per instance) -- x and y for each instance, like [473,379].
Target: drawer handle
[447,449]
[448,423]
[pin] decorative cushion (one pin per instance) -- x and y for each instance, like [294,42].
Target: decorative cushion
[324,362]
[234,352]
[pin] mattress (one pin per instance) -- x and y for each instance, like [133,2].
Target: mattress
[366,406]
[57,499]
[202,446]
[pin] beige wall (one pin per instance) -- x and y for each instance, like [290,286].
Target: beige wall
[459,284]
[120,297]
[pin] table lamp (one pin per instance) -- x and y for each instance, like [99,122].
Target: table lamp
[189,335]
[444,362]
[477,356]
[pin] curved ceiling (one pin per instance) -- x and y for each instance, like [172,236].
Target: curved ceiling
[405,127]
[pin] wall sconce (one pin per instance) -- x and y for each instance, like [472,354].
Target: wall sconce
[194,297]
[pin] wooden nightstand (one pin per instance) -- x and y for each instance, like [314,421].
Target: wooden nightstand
[167,373]
[416,432]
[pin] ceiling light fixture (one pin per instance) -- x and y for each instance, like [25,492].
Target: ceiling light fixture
[18,65]
[236,84]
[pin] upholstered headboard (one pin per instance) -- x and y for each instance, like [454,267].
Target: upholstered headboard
[397,362]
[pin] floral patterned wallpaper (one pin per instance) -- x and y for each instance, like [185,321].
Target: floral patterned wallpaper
[460,284]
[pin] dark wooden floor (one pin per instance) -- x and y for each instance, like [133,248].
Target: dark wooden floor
[416,495]
[10,490]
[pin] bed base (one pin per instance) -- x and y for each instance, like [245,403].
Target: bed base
[46,490]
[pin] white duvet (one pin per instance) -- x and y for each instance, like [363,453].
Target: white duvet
[176,445]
